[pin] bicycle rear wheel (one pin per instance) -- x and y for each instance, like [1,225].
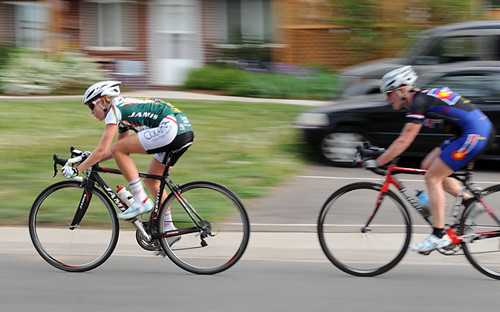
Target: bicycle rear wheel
[73,250]
[483,254]
[349,244]
[228,228]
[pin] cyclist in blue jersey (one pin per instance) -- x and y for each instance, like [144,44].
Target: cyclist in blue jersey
[473,133]
[158,127]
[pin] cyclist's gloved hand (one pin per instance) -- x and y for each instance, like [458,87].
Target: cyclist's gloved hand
[69,172]
[370,164]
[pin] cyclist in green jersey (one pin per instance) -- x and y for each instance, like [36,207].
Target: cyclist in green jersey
[158,127]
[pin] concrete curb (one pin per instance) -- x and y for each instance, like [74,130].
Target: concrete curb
[175,95]
[270,246]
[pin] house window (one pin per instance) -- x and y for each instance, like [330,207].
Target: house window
[248,21]
[109,24]
[30,24]
[177,30]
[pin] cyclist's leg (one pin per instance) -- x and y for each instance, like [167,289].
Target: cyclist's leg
[157,166]
[454,155]
[434,178]
[121,151]
[147,141]
[175,150]
[450,185]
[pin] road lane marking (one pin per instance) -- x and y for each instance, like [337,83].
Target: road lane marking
[377,179]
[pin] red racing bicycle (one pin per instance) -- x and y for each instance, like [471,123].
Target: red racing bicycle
[365,228]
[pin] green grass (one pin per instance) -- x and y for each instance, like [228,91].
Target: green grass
[247,147]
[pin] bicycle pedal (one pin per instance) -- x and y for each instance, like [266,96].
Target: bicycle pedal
[159,252]
[425,253]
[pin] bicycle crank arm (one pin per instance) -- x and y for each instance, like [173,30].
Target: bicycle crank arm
[140,227]
[189,230]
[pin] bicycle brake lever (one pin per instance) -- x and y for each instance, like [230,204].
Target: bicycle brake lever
[55,169]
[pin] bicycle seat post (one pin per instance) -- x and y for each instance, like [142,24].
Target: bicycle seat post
[166,162]
[470,165]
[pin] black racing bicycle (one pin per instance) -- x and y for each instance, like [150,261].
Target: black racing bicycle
[365,228]
[73,224]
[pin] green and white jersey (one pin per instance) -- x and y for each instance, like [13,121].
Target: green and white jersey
[141,114]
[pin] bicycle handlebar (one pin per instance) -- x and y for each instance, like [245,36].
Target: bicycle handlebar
[367,151]
[77,156]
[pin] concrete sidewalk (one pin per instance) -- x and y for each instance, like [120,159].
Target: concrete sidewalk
[269,246]
[174,95]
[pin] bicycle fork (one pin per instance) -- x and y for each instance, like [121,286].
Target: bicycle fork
[83,204]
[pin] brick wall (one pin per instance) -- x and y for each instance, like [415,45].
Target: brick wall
[6,24]
[211,10]
[309,36]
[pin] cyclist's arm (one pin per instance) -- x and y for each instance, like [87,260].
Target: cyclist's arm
[102,149]
[406,137]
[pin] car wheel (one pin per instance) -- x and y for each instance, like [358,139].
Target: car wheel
[339,148]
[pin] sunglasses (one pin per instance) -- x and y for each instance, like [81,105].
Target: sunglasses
[94,103]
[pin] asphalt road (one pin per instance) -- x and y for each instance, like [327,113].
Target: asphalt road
[295,205]
[138,283]
[283,269]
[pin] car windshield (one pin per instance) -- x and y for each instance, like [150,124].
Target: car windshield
[477,88]
[418,43]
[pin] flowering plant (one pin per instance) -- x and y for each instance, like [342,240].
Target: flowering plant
[28,72]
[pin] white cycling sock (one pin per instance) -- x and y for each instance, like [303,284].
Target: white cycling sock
[168,224]
[138,191]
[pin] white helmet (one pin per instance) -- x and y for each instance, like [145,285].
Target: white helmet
[395,79]
[102,88]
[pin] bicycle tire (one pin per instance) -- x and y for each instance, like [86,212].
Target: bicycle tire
[228,221]
[341,236]
[483,254]
[83,248]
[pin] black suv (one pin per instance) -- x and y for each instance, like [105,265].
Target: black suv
[460,43]
[335,130]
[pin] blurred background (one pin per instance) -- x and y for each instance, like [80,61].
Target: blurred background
[60,46]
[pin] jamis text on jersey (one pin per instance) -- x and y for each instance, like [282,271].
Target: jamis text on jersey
[143,115]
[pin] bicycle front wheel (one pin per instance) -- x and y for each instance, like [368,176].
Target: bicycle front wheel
[74,250]
[359,240]
[483,254]
[226,234]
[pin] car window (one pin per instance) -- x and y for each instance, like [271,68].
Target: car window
[451,49]
[480,89]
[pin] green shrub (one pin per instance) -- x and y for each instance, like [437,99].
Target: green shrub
[214,78]
[5,52]
[319,86]
[28,72]
[296,83]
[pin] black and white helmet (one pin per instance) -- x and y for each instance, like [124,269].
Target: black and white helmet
[395,79]
[102,88]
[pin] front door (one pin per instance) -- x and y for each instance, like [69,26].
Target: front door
[175,40]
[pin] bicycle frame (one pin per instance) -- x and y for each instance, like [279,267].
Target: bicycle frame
[94,178]
[389,179]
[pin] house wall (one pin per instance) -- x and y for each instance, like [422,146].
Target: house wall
[6,24]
